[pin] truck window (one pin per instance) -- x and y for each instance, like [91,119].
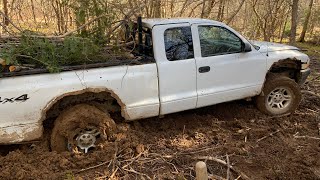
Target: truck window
[178,43]
[215,40]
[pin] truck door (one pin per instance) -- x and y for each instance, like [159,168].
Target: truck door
[176,67]
[224,71]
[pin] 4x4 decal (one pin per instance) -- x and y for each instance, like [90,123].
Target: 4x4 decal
[21,98]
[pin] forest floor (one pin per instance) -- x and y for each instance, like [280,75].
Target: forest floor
[257,146]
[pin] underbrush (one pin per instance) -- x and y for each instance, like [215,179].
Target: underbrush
[312,49]
[50,54]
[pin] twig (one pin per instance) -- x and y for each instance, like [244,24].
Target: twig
[308,137]
[212,176]
[228,168]
[127,15]
[175,168]
[9,20]
[312,110]
[81,27]
[184,128]
[311,93]
[185,152]
[114,173]
[279,116]
[93,167]
[314,78]
[6,29]
[133,159]
[305,137]
[115,157]
[136,172]
[243,176]
[269,135]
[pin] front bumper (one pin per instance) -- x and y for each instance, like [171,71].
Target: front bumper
[303,76]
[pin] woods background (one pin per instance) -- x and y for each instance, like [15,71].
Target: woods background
[269,20]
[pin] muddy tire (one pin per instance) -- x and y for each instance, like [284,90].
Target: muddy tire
[280,95]
[81,128]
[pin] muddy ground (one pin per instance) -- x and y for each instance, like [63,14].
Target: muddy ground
[257,146]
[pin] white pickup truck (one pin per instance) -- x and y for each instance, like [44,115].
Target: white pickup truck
[194,63]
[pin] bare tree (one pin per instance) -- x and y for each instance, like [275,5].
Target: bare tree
[6,12]
[294,17]
[235,12]
[221,10]
[267,19]
[306,22]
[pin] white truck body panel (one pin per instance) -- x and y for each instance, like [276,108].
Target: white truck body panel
[177,79]
[270,47]
[231,76]
[136,87]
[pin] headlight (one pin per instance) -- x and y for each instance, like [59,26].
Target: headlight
[306,65]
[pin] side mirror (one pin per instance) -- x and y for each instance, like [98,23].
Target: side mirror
[246,47]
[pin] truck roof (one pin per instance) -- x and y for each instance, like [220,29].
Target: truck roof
[162,21]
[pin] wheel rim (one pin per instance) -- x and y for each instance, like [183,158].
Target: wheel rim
[279,99]
[84,139]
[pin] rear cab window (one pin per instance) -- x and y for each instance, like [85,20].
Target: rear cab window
[178,43]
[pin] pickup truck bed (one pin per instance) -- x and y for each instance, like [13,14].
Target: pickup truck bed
[133,61]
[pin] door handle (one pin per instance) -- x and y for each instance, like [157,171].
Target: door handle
[204,69]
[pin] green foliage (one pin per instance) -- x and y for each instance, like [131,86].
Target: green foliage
[45,53]
[75,50]
[82,48]
[85,11]
[69,176]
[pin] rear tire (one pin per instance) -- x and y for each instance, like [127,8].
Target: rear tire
[81,128]
[280,95]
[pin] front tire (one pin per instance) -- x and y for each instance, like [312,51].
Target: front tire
[81,128]
[280,95]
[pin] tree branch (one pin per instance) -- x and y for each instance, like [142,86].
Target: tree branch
[235,12]
[8,19]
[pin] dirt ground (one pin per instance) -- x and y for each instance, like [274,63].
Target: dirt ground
[257,146]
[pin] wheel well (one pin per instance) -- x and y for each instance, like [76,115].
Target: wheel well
[287,67]
[103,100]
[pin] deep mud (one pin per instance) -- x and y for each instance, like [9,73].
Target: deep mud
[75,119]
[168,148]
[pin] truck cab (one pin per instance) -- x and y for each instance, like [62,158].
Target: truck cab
[204,62]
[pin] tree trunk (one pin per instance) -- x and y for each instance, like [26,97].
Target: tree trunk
[294,17]
[203,8]
[6,12]
[306,22]
[235,12]
[33,12]
[157,9]
[284,28]
[221,10]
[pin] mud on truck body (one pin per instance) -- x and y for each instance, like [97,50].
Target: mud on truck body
[181,64]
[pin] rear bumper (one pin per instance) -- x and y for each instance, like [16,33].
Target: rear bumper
[303,76]
[20,133]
